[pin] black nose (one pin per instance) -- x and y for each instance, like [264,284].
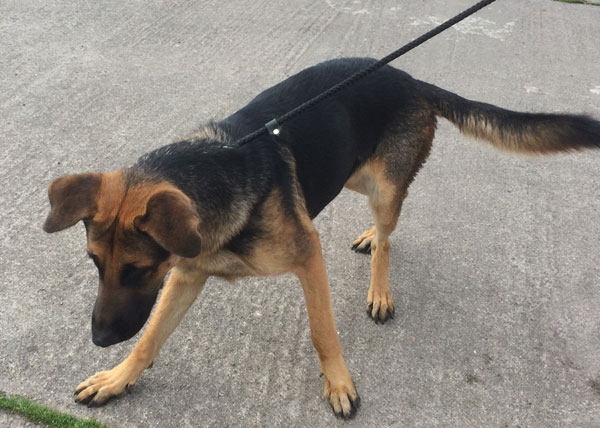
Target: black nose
[106,337]
[103,340]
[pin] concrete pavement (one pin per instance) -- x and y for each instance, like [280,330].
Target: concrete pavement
[494,264]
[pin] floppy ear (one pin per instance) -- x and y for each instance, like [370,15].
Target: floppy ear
[72,198]
[171,221]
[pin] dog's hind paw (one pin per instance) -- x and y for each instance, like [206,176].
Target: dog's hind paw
[101,387]
[362,244]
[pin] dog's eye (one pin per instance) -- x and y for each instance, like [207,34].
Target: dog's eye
[132,276]
[96,261]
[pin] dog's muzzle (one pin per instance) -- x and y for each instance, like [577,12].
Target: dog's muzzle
[113,323]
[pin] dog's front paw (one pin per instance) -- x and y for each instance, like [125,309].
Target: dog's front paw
[339,389]
[101,387]
[343,398]
[380,305]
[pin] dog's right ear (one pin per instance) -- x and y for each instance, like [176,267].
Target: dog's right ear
[172,222]
[72,198]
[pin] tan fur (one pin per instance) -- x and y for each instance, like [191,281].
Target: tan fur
[275,254]
[535,139]
[481,128]
[364,239]
[110,197]
[136,199]
[385,201]
[338,386]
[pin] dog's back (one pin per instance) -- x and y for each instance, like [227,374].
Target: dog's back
[390,114]
[330,141]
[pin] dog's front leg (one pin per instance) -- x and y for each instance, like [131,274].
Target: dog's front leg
[178,294]
[338,385]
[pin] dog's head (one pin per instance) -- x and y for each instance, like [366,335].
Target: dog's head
[135,233]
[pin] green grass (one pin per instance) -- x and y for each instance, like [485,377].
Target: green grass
[35,412]
[593,3]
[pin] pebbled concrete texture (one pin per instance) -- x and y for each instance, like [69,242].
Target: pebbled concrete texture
[494,264]
[10,420]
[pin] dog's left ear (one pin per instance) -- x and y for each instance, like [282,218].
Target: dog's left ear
[72,198]
[171,220]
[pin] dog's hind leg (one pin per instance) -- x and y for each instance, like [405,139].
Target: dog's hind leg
[362,244]
[385,178]
[385,201]
[178,294]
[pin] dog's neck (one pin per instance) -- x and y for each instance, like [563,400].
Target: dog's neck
[224,182]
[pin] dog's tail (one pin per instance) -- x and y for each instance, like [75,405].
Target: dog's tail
[514,131]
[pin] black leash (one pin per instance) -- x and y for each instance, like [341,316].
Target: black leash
[273,126]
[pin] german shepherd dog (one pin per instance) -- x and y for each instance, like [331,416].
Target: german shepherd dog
[206,206]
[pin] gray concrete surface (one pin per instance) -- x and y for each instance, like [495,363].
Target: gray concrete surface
[9,420]
[494,264]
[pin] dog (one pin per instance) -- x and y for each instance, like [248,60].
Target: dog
[207,206]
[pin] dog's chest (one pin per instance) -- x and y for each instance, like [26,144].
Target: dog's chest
[224,264]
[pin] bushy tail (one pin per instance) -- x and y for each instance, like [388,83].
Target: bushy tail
[514,131]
